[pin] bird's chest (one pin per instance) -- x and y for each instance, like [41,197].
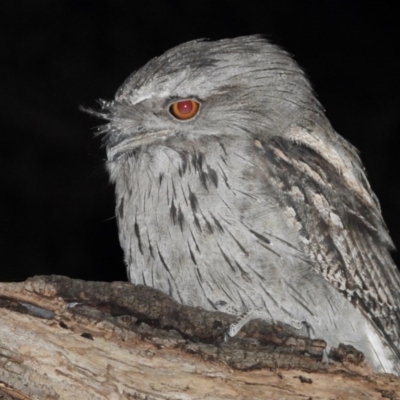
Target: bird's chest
[197,224]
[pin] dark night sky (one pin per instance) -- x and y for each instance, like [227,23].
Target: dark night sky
[56,204]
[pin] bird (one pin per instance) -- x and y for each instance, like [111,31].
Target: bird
[234,193]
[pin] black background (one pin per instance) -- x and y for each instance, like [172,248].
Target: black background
[56,206]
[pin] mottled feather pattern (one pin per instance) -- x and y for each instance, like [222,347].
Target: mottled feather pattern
[255,205]
[343,231]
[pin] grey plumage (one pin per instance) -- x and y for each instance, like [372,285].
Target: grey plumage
[256,203]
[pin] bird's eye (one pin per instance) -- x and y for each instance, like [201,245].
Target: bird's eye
[184,109]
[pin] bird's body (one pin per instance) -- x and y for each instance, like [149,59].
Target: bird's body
[254,203]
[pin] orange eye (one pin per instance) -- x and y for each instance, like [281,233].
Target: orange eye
[184,109]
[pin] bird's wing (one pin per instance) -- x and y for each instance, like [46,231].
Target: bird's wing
[344,233]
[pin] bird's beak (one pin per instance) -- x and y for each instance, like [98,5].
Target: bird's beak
[115,150]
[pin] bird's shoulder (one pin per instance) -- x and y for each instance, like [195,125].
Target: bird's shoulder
[320,176]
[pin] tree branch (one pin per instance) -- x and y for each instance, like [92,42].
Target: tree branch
[60,338]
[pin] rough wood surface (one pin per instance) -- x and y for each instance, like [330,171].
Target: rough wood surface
[70,339]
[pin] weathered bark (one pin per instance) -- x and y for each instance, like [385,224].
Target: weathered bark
[70,339]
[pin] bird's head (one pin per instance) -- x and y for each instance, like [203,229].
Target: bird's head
[232,88]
